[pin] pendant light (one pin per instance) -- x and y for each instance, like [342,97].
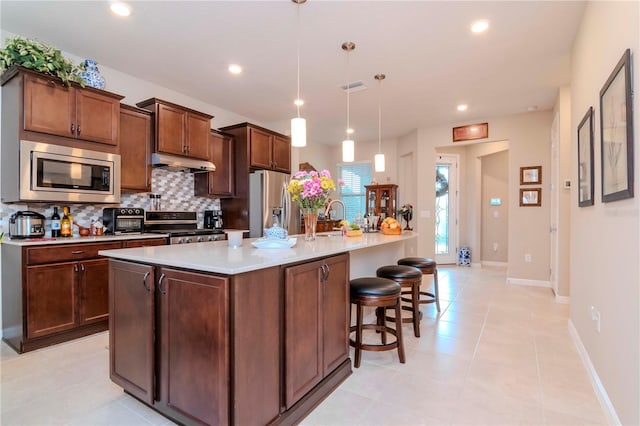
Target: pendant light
[298,124]
[348,148]
[379,157]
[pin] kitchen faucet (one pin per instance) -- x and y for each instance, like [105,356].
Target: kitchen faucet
[328,209]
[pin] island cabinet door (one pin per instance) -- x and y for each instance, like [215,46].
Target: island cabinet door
[303,332]
[193,346]
[336,312]
[131,328]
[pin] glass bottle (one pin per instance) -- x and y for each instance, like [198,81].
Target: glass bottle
[55,223]
[65,223]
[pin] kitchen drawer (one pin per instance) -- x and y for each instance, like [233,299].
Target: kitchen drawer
[67,252]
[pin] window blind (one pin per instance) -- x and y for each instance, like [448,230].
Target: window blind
[352,193]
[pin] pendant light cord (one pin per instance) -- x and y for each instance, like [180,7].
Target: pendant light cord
[348,93]
[379,113]
[298,55]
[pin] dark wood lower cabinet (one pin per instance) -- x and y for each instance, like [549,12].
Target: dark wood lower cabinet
[261,347]
[193,346]
[316,315]
[94,290]
[131,325]
[52,296]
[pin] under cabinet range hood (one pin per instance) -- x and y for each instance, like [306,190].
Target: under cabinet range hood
[175,162]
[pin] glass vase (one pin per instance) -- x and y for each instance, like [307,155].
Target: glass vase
[310,222]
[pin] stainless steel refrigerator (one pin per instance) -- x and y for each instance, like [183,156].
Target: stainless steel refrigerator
[268,201]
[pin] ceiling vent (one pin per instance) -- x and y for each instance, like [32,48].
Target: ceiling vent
[355,86]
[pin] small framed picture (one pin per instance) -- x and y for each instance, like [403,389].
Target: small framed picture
[531,175]
[530,197]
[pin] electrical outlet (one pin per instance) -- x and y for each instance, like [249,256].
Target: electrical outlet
[527,258]
[495,247]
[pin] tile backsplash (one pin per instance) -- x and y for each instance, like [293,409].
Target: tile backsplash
[175,187]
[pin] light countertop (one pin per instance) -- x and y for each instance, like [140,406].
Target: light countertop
[79,240]
[218,257]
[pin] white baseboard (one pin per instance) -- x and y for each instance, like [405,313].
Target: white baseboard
[476,265]
[530,283]
[491,263]
[564,300]
[601,393]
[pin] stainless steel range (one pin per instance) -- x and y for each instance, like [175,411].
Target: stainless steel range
[182,227]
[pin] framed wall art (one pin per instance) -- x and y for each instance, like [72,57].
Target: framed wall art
[531,175]
[530,197]
[616,133]
[471,132]
[585,160]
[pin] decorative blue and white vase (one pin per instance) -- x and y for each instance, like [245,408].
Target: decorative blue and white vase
[91,75]
[464,256]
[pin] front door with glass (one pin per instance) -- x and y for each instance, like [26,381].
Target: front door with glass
[446,210]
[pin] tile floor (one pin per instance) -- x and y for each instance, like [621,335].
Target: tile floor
[497,354]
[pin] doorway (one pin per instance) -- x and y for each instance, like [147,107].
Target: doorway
[446,209]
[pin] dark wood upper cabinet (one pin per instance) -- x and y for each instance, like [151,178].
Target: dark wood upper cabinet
[55,109]
[258,148]
[221,182]
[179,130]
[135,149]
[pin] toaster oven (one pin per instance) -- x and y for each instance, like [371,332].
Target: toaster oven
[123,220]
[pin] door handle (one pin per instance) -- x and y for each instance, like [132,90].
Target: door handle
[144,281]
[82,267]
[326,278]
[160,284]
[78,130]
[73,128]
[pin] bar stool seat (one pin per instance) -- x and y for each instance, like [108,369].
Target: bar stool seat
[406,276]
[428,266]
[379,293]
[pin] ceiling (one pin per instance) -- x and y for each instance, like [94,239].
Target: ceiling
[431,59]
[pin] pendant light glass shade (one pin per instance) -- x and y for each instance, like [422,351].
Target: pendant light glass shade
[298,124]
[379,162]
[379,157]
[348,151]
[298,132]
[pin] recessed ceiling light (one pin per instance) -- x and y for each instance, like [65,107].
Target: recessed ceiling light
[350,131]
[235,69]
[462,107]
[532,108]
[120,9]
[298,102]
[480,26]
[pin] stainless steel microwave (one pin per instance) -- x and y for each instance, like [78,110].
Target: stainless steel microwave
[60,173]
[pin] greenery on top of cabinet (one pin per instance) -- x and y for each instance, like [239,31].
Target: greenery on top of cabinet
[39,56]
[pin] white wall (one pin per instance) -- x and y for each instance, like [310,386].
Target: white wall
[605,240]
[528,143]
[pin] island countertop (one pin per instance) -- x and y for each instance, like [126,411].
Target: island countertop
[218,257]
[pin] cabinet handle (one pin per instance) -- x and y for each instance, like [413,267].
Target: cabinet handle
[82,267]
[77,252]
[78,130]
[160,284]
[325,271]
[75,268]
[326,278]
[73,128]
[144,281]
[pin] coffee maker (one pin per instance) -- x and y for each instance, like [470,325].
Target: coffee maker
[213,219]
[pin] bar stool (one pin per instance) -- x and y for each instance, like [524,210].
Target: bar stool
[381,294]
[428,267]
[406,276]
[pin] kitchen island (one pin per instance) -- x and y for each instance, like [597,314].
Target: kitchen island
[209,334]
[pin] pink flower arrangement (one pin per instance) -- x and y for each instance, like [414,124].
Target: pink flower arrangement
[311,189]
